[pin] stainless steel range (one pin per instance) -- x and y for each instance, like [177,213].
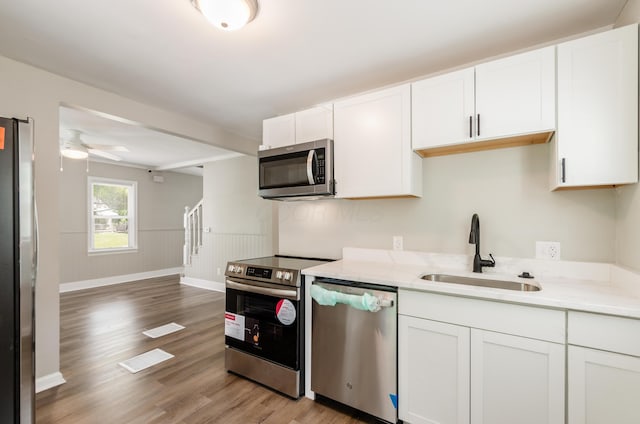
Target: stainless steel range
[264,321]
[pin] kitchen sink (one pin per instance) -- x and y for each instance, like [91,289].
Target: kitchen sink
[483,282]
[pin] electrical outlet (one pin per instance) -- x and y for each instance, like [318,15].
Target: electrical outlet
[549,250]
[218,271]
[397,242]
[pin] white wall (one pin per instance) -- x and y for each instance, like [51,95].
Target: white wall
[630,14]
[160,210]
[628,198]
[509,190]
[241,222]
[28,91]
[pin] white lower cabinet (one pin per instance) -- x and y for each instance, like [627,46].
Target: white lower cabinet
[433,372]
[516,379]
[604,387]
[456,364]
[603,369]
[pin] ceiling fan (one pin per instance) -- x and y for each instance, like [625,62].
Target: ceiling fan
[74,147]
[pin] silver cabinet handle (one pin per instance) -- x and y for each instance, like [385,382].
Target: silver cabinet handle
[563,170]
[267,291]
[311,158]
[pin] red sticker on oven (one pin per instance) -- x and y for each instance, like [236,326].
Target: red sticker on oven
[1,138]
[285,311]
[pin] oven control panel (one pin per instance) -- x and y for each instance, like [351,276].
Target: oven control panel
[234,269]
[271,275]
[253,271]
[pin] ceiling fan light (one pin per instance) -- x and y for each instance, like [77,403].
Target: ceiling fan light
[72,150]
[72,153]
[228,15]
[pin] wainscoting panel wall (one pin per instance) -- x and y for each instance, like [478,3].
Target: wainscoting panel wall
[157,249]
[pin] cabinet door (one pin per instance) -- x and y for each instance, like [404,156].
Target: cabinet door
[597,138]
[516,380]
[433,372]
[279,131]
[604,387]
[516,95]
[373,156]
[314,124]
[442,110]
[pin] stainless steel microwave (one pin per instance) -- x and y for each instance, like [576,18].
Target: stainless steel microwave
[297,172]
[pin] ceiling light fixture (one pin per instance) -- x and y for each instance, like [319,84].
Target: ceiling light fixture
[73,151]
[228,15]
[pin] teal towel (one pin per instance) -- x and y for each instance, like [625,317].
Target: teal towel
[325,297]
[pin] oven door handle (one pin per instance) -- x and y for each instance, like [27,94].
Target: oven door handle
[267,291]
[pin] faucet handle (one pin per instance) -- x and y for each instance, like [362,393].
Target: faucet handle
[493,261]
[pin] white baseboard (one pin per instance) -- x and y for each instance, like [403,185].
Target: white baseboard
[203,284]
[49,381]
[118,279]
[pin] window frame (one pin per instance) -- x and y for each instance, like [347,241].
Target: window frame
[132,214]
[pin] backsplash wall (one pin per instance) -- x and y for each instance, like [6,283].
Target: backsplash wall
[508,188]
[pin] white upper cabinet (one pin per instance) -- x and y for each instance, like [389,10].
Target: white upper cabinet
[279,131]
[516,95]
[507,99]
[314,124]
[373,156]
[597,139]
[443,109]
[307,125]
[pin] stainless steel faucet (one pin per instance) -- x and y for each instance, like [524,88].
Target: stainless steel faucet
[474,238]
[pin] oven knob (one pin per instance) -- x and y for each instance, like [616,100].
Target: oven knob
[279,275]
[239,270]
[232,268]
[287,276]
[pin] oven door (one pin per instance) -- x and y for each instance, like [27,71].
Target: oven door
[264,320]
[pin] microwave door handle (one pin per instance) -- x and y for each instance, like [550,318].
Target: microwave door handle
[312,160]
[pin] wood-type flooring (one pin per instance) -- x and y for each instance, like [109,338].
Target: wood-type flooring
[103,326]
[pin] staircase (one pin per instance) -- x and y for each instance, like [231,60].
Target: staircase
[206,251]
[192,232]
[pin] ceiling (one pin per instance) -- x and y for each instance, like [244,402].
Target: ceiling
[296,54]
[145,147]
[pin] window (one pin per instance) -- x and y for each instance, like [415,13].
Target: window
[112,215]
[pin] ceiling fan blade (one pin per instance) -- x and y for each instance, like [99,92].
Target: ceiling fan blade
[107,147]
[104,155]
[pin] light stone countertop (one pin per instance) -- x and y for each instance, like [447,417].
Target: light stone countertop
[592,287]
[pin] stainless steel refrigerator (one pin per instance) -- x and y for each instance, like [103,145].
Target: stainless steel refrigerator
[18,263]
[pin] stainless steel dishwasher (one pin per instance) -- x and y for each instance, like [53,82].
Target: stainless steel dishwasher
[354,351]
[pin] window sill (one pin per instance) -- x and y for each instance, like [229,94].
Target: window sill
[100,252]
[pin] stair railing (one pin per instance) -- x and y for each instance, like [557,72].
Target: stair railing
[192,232]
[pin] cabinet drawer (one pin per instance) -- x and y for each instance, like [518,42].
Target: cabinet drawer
[615,334]
[525,321]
